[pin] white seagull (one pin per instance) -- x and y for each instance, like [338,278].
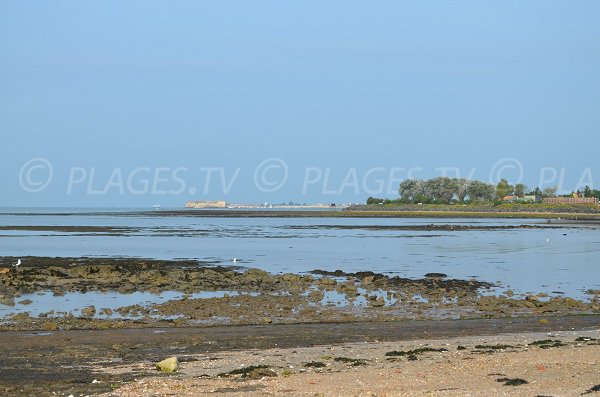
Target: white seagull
[16,265]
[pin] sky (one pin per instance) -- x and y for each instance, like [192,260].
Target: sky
[138,103]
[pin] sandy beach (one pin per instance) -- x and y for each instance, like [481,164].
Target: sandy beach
[565,363]
[557,356]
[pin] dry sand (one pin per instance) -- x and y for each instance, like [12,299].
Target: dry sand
[571,369]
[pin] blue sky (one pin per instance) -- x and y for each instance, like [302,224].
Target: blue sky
[137,103]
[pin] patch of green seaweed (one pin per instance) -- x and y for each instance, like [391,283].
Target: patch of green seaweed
[315,364]
[249,372]
[547,343]
[494,347]
[401,353]
[355,362]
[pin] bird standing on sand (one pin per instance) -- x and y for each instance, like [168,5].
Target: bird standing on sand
[16,265]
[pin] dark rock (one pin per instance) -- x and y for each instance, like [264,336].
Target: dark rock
[592,389]
[513,381]
[315,364]
[585,339]
[251,372]
[436,275]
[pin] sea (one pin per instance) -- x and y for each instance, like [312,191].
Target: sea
[560,258]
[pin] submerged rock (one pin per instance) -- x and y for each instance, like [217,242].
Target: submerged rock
[316,296]
[436,275]
[89,311]
[375,301]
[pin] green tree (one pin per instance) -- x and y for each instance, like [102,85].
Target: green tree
[440,189]
[520,190]
[503,189]
[410,189]
[587,192]
[375,200]
[462,185]
[481,191]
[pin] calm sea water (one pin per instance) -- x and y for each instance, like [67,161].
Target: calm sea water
[566,259]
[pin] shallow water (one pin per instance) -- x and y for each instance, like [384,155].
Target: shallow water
[564,259]
[49,305]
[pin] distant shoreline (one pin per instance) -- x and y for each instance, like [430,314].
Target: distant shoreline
[352,213]
[335,214]
[569,213]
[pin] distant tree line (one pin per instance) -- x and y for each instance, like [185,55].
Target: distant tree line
[589,192]
[445,190]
